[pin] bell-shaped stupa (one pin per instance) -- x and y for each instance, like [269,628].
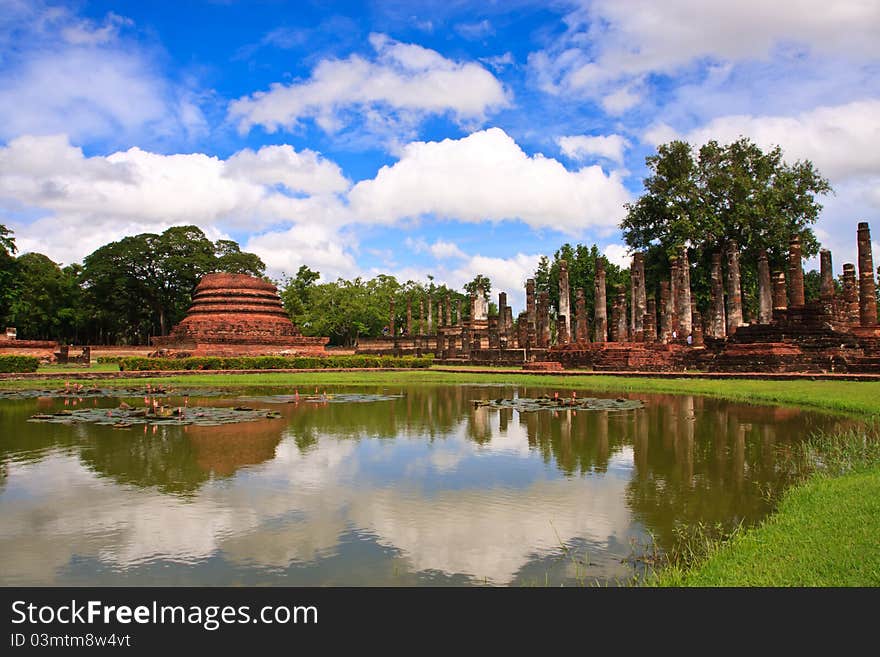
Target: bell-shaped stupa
[237,314]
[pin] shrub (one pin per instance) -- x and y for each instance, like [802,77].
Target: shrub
[138,363]
[102,360]
[10,363]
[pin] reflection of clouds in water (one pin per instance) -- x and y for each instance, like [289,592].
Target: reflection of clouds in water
[493,533]
[294,509]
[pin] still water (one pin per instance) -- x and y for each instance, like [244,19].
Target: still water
[420,489]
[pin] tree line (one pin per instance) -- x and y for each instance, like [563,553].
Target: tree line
[125,292]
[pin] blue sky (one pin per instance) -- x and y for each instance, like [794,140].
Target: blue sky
[414,138]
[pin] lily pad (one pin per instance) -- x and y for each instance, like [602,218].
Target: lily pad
[341,398]
[90,392]
[527,405]
[121,418]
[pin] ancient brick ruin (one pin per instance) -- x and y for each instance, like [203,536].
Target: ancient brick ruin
[237,314]
[836,333]
[42,349]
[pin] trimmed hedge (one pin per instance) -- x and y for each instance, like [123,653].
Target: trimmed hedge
[104,360]
[135,363]
[9,363]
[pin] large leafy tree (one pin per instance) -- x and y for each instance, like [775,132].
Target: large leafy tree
[44,300]
[142,284]
[7,271]
[703,199]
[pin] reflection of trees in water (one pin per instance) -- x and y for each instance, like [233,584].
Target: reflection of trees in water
[702,460]
[578,441]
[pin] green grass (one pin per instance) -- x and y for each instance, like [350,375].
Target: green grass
[74,368]
[825,533]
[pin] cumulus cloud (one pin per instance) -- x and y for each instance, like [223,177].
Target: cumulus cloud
[403,78]
[842,141]
[88,201]
[440,249]
[618,254]
[62,73]
[610,45]
[581,147]
[487,177]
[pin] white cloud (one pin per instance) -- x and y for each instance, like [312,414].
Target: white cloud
[487,177]
[842,141]
[64,74]
[404,78]
[440,249]
[89,201]
[304,171]
[580,147]
[610,44]
[320,247]
[618,254]
[507,274]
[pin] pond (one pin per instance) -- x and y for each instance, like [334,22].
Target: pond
[373,486]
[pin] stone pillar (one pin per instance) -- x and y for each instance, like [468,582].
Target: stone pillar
[530,312]
[826,284]
[615,320]
[494,338]
[581,331]
[637,295]
[441,346]
[697,328]
[448,311]
[717,323]
[409,323]
[622,319]
[780,298]
[502,317]
[665,313]
[458,318]
[564,311]
[421,316]
[867,286]
[509,335]
[795,273]
[734,289]
[391,324]
[562,336]
[765,290]
[465,343]
[850,295]
[544,319]
[683,293]
[650,321]
[522,330]
[601,310]
[430,315]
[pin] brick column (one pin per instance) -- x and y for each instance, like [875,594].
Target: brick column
[544,319]
[409,324]
[448,311]
[734,289]
[391,325]
[601,310]
[582,333]
[650,321]
[430,315]
[637,295]
[531,313]
[765,290]
[458,319]
[665,313]
[867,286]
[826,284]
[717,323]
[622,319]
[850,295]
[683,293]
[564,304]
[780,297]
[795,273]
[421,316]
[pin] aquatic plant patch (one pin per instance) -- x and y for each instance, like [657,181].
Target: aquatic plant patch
[126,416]
[86,392]
[322,397]
[547,403]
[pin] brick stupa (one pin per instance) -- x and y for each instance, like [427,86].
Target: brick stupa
[237,314]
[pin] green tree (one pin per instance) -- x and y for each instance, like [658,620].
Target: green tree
[44,299]
[230,259]
[7,272]
[480,281]
[720,193]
